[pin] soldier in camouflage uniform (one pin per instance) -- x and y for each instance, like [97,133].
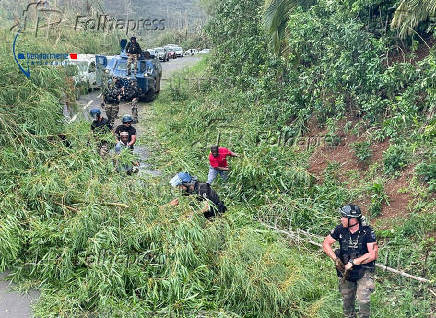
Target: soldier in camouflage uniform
[130,90]
[355,260]
[133,51]
[100,126]
[134,104]
[112,98]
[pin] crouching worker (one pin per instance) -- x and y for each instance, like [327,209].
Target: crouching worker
[203,192]
[355,260]
[130,166]
[127,127]
[99,127]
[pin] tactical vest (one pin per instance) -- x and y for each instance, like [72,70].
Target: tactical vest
[353,248]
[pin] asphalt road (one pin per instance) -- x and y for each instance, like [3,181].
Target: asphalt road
[17,305]
[14,304]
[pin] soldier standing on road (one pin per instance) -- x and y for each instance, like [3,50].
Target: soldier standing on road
[112,99]
[355,260]
[129,90]
[133,50]
[130,93]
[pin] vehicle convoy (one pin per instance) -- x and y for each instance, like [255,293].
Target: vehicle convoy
[145,85]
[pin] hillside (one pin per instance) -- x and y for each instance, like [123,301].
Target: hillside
[344,114]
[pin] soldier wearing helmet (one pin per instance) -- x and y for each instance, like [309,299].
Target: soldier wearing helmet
[99,121]
[111,100]
[355,260]
[100,126]
[189,185]
[126,127]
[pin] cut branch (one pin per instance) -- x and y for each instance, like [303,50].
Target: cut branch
[295,235]
[67,207]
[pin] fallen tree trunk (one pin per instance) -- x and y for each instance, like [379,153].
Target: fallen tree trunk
[295,235]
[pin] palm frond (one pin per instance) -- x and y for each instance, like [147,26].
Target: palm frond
[275,19]
[410,13]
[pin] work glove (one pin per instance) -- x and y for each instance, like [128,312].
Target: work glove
[339,265]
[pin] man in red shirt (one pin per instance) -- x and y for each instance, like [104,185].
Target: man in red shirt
[218,162]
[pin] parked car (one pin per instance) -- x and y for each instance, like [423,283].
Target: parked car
[152,52]
[162,54]
[145,84]
[83,70]
[171,52]
[179,51]
[190,52]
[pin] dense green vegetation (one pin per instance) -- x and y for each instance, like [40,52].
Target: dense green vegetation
[94,241]
[334,71]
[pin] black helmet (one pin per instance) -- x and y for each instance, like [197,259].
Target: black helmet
[350,211]
[132,38]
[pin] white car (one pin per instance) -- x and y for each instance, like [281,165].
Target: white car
[191,52]
[204,51]
[179,51]
[152,52]
[161,54]
[85,68]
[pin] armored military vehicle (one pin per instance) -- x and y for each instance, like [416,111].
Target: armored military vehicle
[145,84]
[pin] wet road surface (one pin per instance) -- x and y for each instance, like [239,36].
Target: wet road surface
[14,304]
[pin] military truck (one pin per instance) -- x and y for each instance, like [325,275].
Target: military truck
[145,85]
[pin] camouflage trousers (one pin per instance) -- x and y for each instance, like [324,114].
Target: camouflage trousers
[135,111]
[132,59]
[112,112]
[361,289]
